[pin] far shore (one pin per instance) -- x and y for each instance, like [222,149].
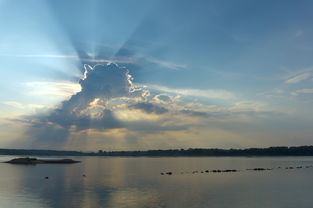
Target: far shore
[191,152]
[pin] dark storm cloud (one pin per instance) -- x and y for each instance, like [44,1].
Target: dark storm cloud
[194,113]
[102,82]
[48,135]
[105,120]
[164,98]
[149,108]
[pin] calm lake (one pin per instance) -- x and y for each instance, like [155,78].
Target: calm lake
[136,182]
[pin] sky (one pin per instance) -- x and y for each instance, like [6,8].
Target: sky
[155,74]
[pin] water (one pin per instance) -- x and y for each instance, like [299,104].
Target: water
[136,182]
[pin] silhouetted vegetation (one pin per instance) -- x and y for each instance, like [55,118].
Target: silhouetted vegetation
[270,151]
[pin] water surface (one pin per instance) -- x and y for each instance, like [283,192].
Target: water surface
[136,182]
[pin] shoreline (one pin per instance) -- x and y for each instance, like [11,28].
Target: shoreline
[279,151]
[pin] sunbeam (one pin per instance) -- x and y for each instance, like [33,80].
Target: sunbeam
[144,92]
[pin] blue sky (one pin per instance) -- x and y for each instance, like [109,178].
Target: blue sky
[199,74]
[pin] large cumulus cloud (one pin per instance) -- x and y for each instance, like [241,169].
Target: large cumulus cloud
[101,81]
[111,105]
[105,90]
[91,107]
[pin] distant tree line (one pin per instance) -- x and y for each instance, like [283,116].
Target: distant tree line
[270,151]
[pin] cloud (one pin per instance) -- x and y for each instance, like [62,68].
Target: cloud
[149,108]
[89,107]
[210,94]
[163,63]
[194,113]
[13,109]
[298,78]
[302,91]
[105,81]
[125,56]
[47,135]
[164,99]
[299,33]
[62,89]
[108,101]
[118,60]
[249,106]
[104,120]
[138,60]
[21,105]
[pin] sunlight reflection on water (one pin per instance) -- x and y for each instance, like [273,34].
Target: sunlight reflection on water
[137,182]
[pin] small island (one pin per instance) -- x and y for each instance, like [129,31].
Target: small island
[33,161]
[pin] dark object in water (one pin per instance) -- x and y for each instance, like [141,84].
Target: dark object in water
[46,177]
[169,173]
[258,169]
[229,170]
[33,161]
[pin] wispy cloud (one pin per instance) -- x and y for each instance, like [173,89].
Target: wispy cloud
[142,60]
[298,78]
[118,60]
[299,33]
[211,94]
[21,105]
[166,64]
[249,106]
[63,89]
[302,91]
[14,109]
